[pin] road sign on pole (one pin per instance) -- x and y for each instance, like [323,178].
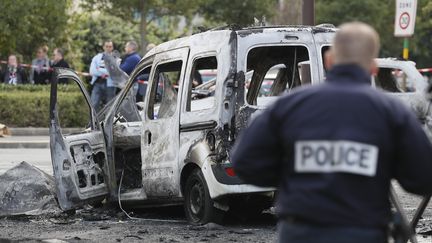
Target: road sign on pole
[405,17]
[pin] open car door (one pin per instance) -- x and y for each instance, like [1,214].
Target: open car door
[79,160]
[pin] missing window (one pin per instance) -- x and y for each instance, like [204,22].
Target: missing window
[163,96]
[394,81]
[275,70]
[200,93]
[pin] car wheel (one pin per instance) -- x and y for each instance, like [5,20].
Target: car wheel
[198,205]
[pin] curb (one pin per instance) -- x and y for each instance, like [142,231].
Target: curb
[24,145]
[38,131]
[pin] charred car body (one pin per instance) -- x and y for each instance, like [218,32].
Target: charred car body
[172,147]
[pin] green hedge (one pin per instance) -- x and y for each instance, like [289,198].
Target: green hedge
[28,105]
[38,88]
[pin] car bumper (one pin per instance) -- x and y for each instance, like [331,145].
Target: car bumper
[219,189]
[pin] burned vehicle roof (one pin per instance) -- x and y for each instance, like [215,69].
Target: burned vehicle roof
[215,35]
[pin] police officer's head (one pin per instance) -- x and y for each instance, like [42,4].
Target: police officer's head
[355,43]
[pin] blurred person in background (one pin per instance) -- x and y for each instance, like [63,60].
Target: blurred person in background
[13,73]
[59,62]
[131,58]
[143,80]
[103,87]
[39,73]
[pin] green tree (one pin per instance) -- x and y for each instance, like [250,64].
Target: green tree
[146,12]
[90,30]
[143,12]
[288,12]
[421,44]
[377,13]
[237,12]
[29,24]
[381,15]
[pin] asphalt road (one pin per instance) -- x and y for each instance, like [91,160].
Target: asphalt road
[117,228]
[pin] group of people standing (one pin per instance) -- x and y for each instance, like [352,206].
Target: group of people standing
[103,87]
[41,68]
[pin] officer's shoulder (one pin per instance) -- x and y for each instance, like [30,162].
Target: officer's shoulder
[381,96]
[297,94]
[395,109]
[303,91]
[363,92]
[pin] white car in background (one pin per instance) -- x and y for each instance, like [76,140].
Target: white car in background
[401,79]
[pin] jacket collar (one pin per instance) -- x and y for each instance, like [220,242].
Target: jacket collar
[348,73]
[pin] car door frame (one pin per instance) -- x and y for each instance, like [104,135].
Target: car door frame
[161,175]
[321,39]
[70,194]
[109,120]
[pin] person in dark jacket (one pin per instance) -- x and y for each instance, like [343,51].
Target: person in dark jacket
[58,61]
[131,58]
[332,149]
[13,73]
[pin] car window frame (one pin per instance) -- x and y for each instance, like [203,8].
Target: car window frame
[189,81]
[151,84]
[308,48]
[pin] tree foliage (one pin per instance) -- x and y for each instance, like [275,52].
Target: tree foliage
[421,45]
[88,32]
[29,24]
[130,10]
[381,15]
[147,12]
[377,13]
[237,12]
[144,12]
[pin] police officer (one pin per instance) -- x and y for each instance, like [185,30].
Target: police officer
[332,149]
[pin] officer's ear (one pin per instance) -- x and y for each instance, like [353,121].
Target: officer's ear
[328,59]
[374,68]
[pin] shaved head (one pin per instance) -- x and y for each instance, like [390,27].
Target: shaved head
[355,43]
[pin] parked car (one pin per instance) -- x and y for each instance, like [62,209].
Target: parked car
[173,148]
[401,79]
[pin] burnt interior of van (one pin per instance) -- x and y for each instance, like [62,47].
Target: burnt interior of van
[127,128]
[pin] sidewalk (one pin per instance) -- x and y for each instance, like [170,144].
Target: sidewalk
[30,138]
[20,142]
[38,131]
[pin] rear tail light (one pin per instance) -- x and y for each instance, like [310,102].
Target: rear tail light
[230,171]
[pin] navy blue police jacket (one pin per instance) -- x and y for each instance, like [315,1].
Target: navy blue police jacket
[331,150]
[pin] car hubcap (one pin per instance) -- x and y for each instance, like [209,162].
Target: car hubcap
[197,199]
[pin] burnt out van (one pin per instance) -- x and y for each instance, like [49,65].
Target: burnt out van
[171,145]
